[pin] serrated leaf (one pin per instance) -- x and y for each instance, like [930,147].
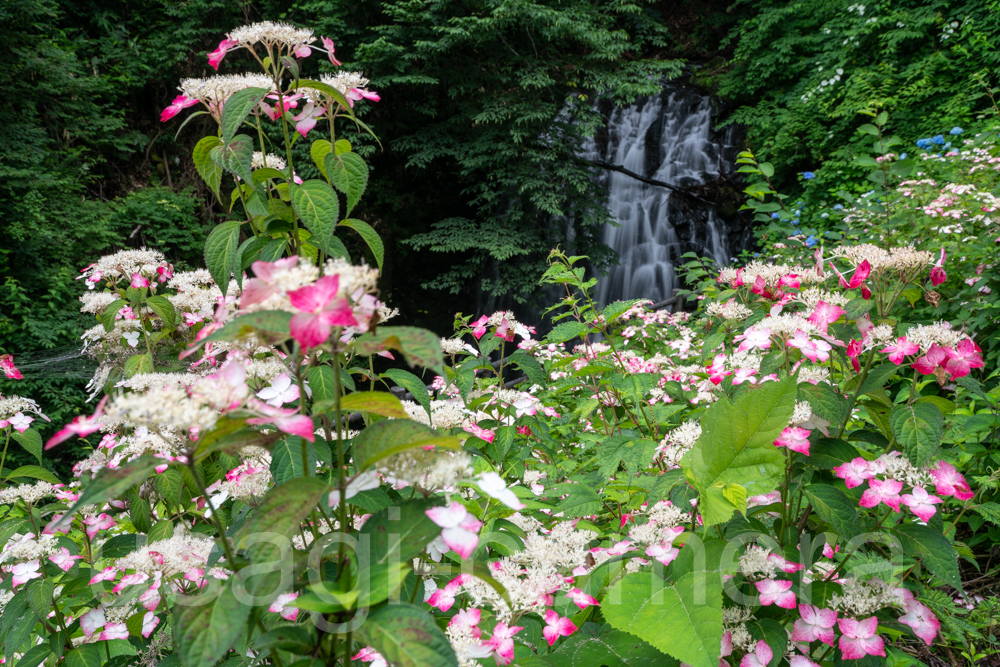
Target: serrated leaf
[108,316]
[236,157]
[632,451]
[138,364]
[30,441]
[420,347]
[823,400]
[369,235]
[835,507]
[122,545]
[565,331]
[603,645]
[40,597]
[877,377]
[377,402]
[286,459]
[34,472]
[161,530]
[209,171]
[221,248]
[318,207]
[238,106]
[466,381]
[87,655]
[322,383]
[349,174]
[391,436]
[682,619]
[281,512]
[412,384]
[580,500]
[164,309]
[407,636]
[318,151]
[204,633]
[918,429]
[990,512]
[934,550]
[169,485]
[399,534]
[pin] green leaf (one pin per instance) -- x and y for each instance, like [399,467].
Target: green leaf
[835,507]
[273,250]
[412,384]
[603,645]
[108,316]
[633,451]
[164,309]
[40,597]
[420,347]
[369,235]
[169,486]
[321,381]
[111,483]
[318,207]
[407,636]
[972,384]
[663,485]
[567,331]
[858,307]
[221,249]
[236,157]
[328,90]
[466,381]
[36,655]
[286,459]
[138,364]
[399,534]
[247,254]
[292,638]
[87,655]
[236,109]
[682,619]
[830,452]
[30,441]
[34,472]
[204,633]
[823,399]
[161,530]
[280,512]
[318,151]
[377,402]
[918,429]
[773,634]
[529,366]
[349,174]
[391,436]
[209,171]
[737,441]
[122,545]
[877,377]
[580,500]
[933,548]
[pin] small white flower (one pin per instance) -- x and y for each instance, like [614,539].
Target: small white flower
[131,338]
[280,392]
[493,486]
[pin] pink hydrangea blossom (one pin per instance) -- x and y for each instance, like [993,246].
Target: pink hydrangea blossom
[921,620]
[25,572]
[882,491]
[825,314]
[776,591]
[63,560]
[927,364]
[281,606]
[469,620]
[900,349]
[963,359]
[795,438]
[938,274]
[557,626]
[761,656]
[319,309]
[460,528]
[581,599]
[854,472]
[80,426]
[215,57]
[859,638]
[921,503]
[949,482]
[502,642]
[814,624]
[7,364]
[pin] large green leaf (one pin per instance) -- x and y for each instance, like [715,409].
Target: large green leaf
[31,441]
[420,347]
[280,512]
[370,236]
[407,636]
[209,171]
[164,309]
[877,377]
[603,645]
[87,655]
[835,507]
[824,401]
[34,472]
[236,157]
[773,633]
[349,174]
[318,151]
[412,384]
[204,633]
[565,331]
[237,107]
[376,402]
[286,459]
[682,619]
[737,441]
[221,248]
[322,382]
[318,207]
[392,436]
[933,548]
[398,534]
[632,451]
[529,366]
[918,429]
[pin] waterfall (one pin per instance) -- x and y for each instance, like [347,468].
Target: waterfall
[669,138]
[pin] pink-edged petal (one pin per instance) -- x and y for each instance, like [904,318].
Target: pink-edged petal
[460,541]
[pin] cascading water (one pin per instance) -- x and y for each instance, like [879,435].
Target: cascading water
[667,138]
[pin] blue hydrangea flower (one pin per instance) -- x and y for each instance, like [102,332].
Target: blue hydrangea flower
[808,175]
[955,130]
[902,156]
[838,207]
[775,215]
[947,145]
[825,215]
[939,139]
[810,241]
[924,143]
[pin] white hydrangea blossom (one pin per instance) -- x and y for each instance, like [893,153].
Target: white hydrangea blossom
[272,33]
[217,89]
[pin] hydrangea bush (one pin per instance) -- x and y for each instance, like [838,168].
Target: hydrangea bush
[788,476]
